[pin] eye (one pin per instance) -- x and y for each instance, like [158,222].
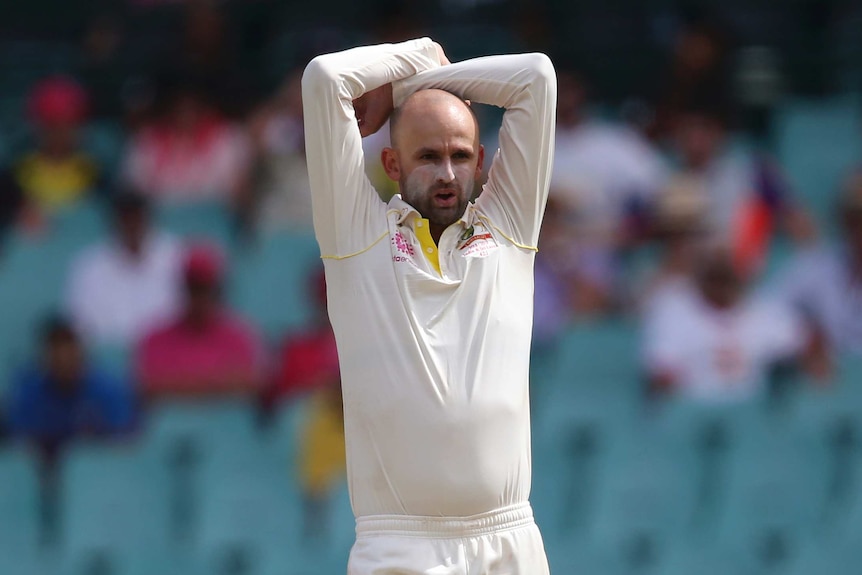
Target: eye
[461,156]
[428,156]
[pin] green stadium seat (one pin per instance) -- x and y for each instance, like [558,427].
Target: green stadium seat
[271,284]
[199,222]
[115,511]
[249,513]
[600,357]
[646,497]
[690,559]
[20,510]
[775,494]
[831,421]
[282,437]
[827,558]
[208,425]
[818,142]
[103,141]
[33,271]
[570,442]
[582,557]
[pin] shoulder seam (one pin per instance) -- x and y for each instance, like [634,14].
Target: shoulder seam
[362,251]
[502,233]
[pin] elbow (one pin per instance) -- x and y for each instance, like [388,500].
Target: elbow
[542,69]
[318,72]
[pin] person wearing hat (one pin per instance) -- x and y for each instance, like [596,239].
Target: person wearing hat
[825,282]
[57,173]
[678,224]
[205,349]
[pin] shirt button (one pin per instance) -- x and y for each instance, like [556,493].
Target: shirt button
[419,224]
[430,250]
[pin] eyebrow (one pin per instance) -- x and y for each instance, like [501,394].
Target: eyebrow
[458,149]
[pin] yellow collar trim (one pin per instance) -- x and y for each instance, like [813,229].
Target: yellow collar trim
[422,228]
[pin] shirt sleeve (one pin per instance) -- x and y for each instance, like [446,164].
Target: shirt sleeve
[348,214]
[526,86]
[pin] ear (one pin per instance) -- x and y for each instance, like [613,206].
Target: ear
[391,164]
[480,162]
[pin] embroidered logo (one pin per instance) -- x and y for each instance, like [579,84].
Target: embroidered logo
[477,245]
[479,238]
[402,245]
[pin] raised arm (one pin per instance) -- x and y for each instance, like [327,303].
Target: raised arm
[526,86]
[348,215]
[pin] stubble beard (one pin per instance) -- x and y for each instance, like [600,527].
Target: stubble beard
[421,198]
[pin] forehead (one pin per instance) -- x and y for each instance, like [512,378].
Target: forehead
[437,123]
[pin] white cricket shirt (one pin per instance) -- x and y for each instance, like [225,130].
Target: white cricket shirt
[433,341]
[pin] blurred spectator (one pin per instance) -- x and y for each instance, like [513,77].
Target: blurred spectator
[825,283]
[605,173]
[189,152]
[574,276]
[209,48]
[309,360]
[57,173]
[714,343]
[322,459]
[205,350]
[121,287]
[699,67]
[748,195]
[282,192]
[63,396]
[677,224]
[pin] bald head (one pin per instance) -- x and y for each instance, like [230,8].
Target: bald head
[431,106]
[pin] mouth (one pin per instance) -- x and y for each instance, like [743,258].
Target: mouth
[445,197]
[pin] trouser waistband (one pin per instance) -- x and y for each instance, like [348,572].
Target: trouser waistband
[504,519]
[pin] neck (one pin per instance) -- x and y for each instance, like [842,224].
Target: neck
[436,231]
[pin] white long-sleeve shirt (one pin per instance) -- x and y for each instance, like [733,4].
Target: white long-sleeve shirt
[433,340]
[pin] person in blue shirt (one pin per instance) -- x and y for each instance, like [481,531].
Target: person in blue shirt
[62,396]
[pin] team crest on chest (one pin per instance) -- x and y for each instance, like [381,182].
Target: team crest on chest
[476,241]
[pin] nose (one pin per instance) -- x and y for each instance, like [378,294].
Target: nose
[445,173]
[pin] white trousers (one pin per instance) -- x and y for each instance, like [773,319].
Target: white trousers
[502,542]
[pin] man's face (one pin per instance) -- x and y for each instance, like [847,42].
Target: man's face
[720,281]
[438,159]
[64,360]
[131,227]
[698,139]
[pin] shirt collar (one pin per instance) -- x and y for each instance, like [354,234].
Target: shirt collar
[405,210]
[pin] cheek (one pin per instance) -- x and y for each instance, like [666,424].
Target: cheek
[422,176]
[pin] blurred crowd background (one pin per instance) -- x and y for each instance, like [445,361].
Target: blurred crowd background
[169,386]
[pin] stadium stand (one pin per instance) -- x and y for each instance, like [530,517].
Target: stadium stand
[622,485]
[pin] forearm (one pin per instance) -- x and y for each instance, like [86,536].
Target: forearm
[351,73]
[342,196]
[507,81]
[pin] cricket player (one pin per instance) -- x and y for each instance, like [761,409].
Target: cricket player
[431,300]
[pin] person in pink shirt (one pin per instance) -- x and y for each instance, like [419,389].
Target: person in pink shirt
[205,350]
